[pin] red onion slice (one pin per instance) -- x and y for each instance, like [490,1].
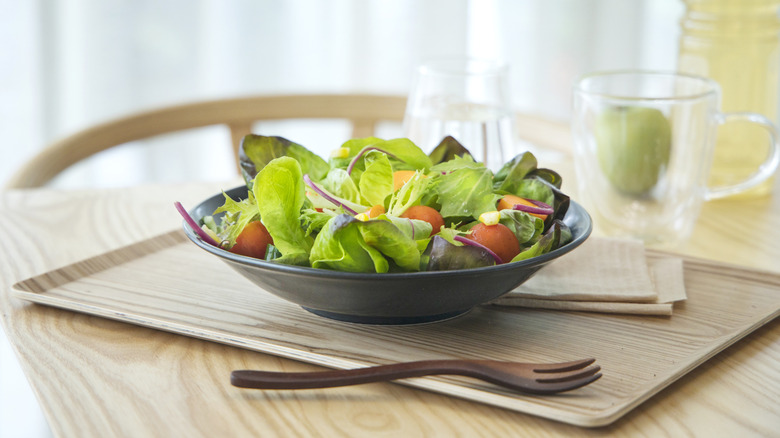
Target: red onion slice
[540,207]
[467,241]
[194,225]
[325,195]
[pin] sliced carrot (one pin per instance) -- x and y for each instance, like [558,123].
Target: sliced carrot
[376,211]
[401,177]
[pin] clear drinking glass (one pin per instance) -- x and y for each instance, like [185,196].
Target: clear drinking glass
[466,98]
[643,149]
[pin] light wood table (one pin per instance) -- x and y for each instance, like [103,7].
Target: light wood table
[102,378]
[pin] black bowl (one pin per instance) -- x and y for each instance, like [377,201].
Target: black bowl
[393,298]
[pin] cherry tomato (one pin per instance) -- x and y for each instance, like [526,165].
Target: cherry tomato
[498,238]
[253,241]
[427,214]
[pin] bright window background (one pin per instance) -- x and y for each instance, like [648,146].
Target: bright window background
[69,64]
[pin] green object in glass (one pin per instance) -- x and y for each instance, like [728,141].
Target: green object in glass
[633,144]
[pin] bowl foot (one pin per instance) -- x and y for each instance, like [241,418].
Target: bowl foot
[387,320]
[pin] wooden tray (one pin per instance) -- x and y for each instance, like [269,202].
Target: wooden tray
[169,284]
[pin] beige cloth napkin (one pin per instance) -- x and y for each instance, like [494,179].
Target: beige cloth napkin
[604,275]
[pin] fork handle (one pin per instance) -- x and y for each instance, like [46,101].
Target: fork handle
[328,379]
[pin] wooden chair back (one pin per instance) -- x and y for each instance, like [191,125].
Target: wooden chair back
[364,111]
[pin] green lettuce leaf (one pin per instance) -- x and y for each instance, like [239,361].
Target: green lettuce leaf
[256,151]
[556,236]
[339,183]
[408,195]
[320,200]
[403,154]
[465,192]
[551,176]
[237,215]
[391,242]
[464,162]
[532,188]
[297,259]
[313,221]
[412,228]
[280,194]
[448,149]
[340,247]
[446,256]
[526,227]
[376,181]
[356,145]
[539,188]
[347,244]
[511,174]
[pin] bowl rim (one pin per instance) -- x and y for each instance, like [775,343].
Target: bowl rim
[327,273]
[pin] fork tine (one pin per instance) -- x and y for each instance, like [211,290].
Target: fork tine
[568,376]
[561,367]
[551,388]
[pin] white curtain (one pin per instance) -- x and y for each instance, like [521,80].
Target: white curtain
[65,65]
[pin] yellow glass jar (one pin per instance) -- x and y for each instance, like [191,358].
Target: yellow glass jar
[736,43]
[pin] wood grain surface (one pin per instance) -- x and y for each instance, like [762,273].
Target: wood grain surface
[168,283]
[98,377]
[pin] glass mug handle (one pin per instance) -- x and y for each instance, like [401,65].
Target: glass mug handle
[765,170]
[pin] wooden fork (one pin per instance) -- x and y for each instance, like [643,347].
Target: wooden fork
[523,377]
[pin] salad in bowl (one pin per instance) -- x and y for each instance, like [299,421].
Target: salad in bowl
[381,230]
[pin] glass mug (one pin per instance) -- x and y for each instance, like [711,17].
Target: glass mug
[466,98]
[643,148]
